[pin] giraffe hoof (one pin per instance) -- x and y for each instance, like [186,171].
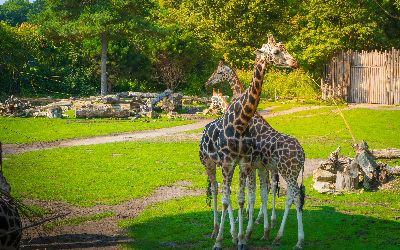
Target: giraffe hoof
[242,247]
[217,248]
[297,247]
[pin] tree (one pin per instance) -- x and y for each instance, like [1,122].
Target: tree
[15,12]
[103,20]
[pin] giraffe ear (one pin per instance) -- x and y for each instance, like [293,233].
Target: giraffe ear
[271,39]
[258,52]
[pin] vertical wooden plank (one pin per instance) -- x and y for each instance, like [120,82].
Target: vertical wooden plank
[397,76]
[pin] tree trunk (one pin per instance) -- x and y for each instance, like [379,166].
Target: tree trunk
[103,89]
[388,153]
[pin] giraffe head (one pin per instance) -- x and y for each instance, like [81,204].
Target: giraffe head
[222,73]
[275,54]
[4,186]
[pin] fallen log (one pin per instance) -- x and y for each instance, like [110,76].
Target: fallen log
[388,153]
[102,113]
[393,169]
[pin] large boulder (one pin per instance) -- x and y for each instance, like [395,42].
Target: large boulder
[323,187]
[54,112]
[323,175]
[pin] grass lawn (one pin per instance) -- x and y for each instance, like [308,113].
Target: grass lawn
[282,105]
[28,130]
[103,174]
[113,173]
[320,131]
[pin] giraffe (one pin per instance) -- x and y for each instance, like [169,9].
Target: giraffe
[225,143]
[225,73]
[264,133]
[218,102]
[10,221]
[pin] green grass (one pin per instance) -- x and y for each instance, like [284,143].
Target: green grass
[320,131]
[113,173]
[103,174]
[28,130]
[78,220]
[282,105]
[354,221]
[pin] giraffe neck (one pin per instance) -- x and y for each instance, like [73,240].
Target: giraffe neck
[236,85]
[243,108]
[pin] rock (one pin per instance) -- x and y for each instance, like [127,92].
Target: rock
[54,112]
[14,106]
[187,101]
[152,114]
[323,175]
[110,99]
[328,166]
[101,113]
[322,187]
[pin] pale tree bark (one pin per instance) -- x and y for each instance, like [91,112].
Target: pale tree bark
[103,89]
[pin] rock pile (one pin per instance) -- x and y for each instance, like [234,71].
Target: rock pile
[338,173]
[14,106]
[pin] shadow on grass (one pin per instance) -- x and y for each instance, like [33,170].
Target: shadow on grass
[74,241]
[325,228]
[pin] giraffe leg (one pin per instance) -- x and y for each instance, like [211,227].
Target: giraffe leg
[245,169]
[289,201]
[260,212]
[251,186]
[232,223]
[227,173]
[274,190]
[248,195]
[263,175]
[211,171]
[299,210]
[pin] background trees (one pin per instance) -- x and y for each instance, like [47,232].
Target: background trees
[63,47]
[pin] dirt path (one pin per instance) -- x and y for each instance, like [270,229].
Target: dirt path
[149,134]
[139,135]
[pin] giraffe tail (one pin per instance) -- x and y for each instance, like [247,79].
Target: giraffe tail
[209,193]
[277,188]
[302,190]
[302,196]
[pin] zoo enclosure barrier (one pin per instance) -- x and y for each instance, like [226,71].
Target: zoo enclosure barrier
[363,77]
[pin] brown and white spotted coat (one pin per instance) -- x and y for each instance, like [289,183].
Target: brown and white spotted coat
[231,142]
[224,73]
[10,221]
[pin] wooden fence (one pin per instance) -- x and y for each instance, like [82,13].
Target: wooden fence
[363,77]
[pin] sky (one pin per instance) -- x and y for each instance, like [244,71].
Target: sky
[2,1]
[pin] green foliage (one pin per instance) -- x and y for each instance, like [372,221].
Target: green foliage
[15,12]
[60,54]
[283,84]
